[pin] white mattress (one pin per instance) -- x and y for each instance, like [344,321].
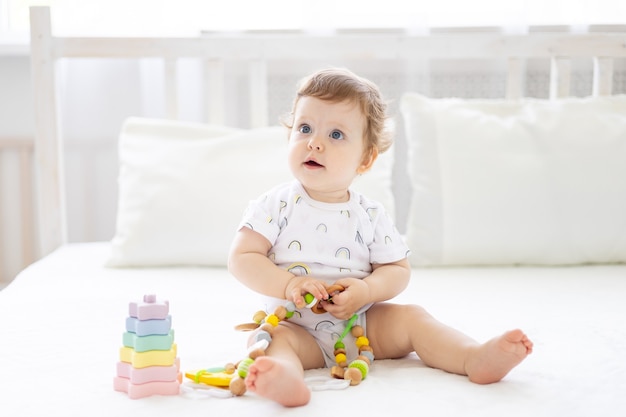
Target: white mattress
[63,319]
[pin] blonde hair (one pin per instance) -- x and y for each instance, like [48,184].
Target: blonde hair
[337,85]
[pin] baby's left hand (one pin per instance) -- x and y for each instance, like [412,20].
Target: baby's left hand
[354,296]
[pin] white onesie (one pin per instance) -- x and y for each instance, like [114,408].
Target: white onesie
[327,241]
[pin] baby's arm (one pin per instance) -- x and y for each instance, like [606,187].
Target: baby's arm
[248,262]
[385,282]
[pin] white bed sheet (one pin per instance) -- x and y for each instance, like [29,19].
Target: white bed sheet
[62,321]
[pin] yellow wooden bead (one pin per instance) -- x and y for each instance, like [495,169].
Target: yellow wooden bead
[272,319]
[340,358]
[362,341]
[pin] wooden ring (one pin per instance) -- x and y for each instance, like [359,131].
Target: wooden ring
[317,308]
[334,288]
[246,327]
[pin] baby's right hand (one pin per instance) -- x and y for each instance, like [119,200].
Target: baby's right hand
[299,286]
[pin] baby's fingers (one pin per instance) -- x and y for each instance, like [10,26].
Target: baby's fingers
[297,298]
[302,286]
[339,311]
[316,288]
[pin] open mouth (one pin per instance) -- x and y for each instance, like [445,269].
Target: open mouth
[312,163]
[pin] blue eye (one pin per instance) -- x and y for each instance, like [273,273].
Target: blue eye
[336,134]
[305,129]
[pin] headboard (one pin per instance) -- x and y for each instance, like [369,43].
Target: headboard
[257,51]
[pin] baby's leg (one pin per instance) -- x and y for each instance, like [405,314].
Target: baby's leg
[279,376]
[396,330]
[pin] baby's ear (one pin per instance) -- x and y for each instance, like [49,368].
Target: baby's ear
[368,160]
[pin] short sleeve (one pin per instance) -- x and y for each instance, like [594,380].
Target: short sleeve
[261,215]
[388,244]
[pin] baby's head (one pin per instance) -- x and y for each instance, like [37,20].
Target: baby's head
[339,85]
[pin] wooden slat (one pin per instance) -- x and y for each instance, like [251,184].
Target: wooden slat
[27,230]
[560,74]
[23,147]
[365,46]
[258,93]
[214,91]
[602,76]
[16,143]
[48,155]
[350,46]
[171,88]
[514,78]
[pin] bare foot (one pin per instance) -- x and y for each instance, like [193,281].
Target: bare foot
[493,360]
[277,380]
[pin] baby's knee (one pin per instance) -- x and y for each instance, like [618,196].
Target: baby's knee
[417,312]
[281,332]
[416,309]
[410,313]
[382,314]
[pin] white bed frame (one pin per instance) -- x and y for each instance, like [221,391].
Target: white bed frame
[260,49]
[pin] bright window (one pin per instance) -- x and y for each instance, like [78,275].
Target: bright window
[185,17]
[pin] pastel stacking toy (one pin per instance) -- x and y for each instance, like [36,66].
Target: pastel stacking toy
[148,363]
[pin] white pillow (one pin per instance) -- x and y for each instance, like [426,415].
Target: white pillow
[516,182]
[183,188]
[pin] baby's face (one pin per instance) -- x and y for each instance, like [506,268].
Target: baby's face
[326,147]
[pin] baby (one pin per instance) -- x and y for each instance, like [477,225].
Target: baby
[305,235]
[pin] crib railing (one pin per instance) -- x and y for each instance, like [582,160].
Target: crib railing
[17,249]
[258,50]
